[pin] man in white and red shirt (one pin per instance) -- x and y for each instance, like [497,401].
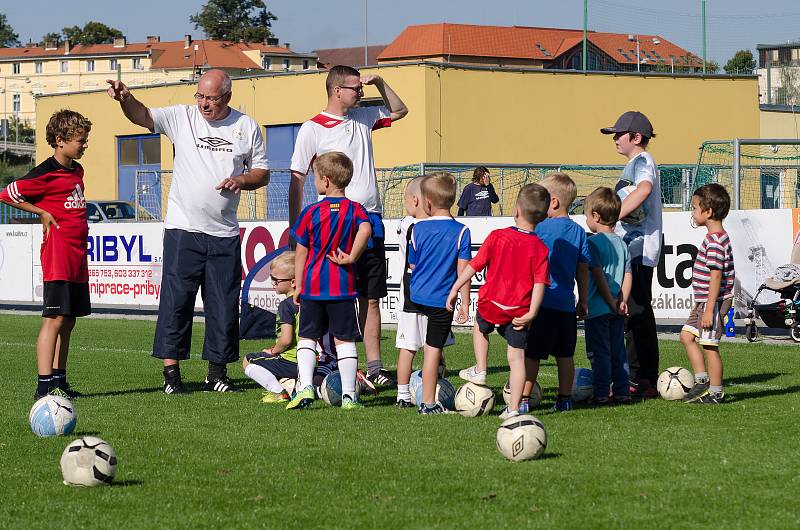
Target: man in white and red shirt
[346,128]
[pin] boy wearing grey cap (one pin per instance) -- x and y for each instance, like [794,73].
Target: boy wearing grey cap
[640,226]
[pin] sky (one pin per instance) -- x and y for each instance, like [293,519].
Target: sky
[310,24]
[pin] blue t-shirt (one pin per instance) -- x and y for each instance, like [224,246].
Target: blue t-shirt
[476,199]
[566,241]
[437,243]
[610,253]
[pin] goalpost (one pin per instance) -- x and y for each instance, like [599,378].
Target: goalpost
[759,173]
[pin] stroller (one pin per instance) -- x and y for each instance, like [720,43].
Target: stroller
[784,313]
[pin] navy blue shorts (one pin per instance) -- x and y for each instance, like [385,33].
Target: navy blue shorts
[278,366]
[553,333]
[319,317]
[193,261]
[371,271]
[516,338]
[63,298]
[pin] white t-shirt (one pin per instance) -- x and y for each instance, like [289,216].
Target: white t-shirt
[206,152]
[351,135]
[644,240]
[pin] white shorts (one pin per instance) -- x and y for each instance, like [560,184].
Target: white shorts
[411,331]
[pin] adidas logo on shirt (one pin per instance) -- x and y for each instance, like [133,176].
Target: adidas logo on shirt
[76,200]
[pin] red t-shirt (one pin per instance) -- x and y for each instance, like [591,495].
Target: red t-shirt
[57,190]
[517,260]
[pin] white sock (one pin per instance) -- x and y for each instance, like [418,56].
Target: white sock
[263,377]
[348,366]
[701,377]
[306,362]
[403,393]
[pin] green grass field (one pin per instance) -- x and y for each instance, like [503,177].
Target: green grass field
[229,461]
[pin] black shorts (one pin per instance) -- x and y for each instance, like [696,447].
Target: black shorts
[63,298]
[440,320]
[516,338]
[371,271]
[278,366]
[553,333]
[339,317]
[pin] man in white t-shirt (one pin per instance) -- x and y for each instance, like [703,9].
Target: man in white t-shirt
[345,127]
[218,152]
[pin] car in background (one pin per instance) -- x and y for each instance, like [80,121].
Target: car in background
[115,212]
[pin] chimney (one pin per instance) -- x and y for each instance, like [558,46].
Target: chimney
[187,41]
[120,42]
[272,41]
[286,45]
[66,46]
[153,39]
[50,44]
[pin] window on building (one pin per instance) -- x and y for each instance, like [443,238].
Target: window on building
[90,65]
[624,54]
[37,67]
[795,55]
[112,65]
[64,66]
[15,68]
[305,64]
[16,105]
[137,63]
[286,64]
[266,63]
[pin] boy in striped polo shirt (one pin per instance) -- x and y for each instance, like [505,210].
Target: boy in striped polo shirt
[713,278]
[331,235]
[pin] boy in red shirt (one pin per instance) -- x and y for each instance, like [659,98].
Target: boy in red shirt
[516,280]
[53,190]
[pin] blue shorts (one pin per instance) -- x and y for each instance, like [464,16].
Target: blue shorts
[319,317]
[552,332]
[516,338]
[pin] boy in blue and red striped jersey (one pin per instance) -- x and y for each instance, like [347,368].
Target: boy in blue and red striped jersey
[53,190]
[331,235]
[713,277]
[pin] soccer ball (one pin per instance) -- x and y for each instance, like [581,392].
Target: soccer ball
[445,393]
[674,383]
[533,401]
[474,400]
[88,461]
[288,384]
[414,384]
[52,416]
[582,388]
[331,389]
[637,216]
[521,438]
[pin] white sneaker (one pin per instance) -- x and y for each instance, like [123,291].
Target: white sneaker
[472,375]
[508,414]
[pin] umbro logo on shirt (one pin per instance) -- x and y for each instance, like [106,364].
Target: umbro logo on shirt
[212,143]
[76,200]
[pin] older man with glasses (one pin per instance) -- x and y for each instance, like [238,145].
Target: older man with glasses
[218,152]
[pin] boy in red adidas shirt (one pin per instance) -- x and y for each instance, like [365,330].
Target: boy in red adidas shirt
[516,280]
[53,190]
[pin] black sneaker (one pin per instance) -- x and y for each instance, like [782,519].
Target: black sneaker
[219,384]
[710,398]
[381,378]
[697,390]
[403,404]
[175,387]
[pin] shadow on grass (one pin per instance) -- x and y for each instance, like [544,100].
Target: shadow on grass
[126,483]
[741,396]
[84,433]
[548,456]
[754,378]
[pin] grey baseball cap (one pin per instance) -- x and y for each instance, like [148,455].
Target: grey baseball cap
[632,121]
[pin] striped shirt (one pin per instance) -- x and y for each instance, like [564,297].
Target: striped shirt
[715,252]
[322,227]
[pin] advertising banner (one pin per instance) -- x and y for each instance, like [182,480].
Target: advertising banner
[16,261]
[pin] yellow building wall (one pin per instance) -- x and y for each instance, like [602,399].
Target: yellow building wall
[780,124]
[459,115]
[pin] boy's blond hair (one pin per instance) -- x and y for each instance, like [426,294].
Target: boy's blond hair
[336,166]
[65,124]
[561,187]
[605,203]
[440,189]
[284,262]
[413,188]
[533,201]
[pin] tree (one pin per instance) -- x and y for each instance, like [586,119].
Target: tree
[51,37]
[234,20]
[712,67]
[742,62]
[91,33]
[8,39]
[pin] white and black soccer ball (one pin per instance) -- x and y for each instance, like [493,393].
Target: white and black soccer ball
[414,384]
[533,401]
[521,438]
[88,461]
[52,416]
[474,400]
[582,388]
[674,383]
[330,389]
[445,392]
